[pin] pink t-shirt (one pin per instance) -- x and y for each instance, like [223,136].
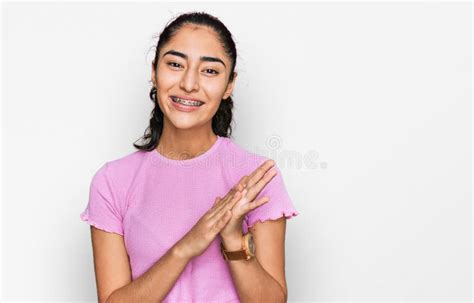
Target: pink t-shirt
[153,201]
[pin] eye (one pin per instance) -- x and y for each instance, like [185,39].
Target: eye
[213,72]
[175,64]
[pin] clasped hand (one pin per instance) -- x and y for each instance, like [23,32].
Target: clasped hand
[225,217]
[241,198]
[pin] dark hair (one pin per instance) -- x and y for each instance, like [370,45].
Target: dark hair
[221,122]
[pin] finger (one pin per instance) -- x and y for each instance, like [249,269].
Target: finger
[242,184]
[245,180]
[217,204]
[212,210]
[239,200]
[229,205]
[258,173]
[227,196]
[238,196]
[257,188]
[222,222]
[223,206]
[240,187]
[254,204]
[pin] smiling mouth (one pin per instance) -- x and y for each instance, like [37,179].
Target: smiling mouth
[186,102]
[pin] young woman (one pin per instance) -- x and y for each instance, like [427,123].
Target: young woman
[191,216]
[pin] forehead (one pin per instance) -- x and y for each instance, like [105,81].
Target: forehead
[195,41]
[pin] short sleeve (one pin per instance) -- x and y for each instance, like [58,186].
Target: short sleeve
[103,210]
[279,204]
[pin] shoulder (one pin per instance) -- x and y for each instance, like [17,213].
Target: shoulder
[240,156]
[126,165]
[118,173]
[238,160]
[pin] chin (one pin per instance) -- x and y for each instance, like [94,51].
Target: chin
[183,122]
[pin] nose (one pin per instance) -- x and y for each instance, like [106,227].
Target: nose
[190,81]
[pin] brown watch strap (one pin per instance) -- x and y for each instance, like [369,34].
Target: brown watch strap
[233,255]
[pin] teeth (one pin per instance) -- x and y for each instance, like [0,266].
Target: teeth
[187,102]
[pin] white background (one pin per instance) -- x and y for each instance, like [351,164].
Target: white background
[376,95]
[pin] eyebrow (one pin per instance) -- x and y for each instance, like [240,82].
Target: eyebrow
[202,58]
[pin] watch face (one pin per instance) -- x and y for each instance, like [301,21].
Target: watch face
[251,244]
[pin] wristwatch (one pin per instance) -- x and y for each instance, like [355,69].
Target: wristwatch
[246,253]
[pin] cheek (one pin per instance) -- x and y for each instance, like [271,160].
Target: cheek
[166,79]
[214,89]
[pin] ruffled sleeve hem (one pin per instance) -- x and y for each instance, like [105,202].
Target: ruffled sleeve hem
[85,217]
[287,213]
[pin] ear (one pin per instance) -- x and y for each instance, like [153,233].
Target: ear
[230,87]
[153,73]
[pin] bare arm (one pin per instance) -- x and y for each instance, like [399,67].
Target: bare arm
[261,279]
[113,275]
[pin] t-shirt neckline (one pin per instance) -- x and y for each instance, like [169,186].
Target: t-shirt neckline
[156,157]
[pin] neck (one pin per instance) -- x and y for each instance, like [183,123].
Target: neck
[182,144]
